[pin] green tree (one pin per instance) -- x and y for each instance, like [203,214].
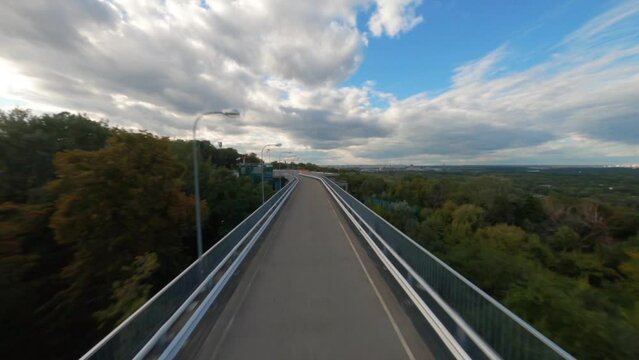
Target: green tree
[28,144]
[30,259]
[131,292]
[503,237]
[623,223]
[229,198]
[80,252]
[565,239]
[251,158]
[372,186]
[439,221]
[20,228]
[114,204]
[579,318]
[584,275]
[466,219]
[492,268]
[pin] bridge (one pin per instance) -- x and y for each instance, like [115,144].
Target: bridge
[314,274]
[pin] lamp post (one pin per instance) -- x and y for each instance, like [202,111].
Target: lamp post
[262,157]
[279,160]
[196,174]
[291,161]
[296,161]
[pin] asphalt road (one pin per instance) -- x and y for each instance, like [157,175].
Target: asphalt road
[310,292]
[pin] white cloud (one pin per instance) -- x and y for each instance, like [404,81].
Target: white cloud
[393,17]
[615,25]
[12,81]
[579,106]
[172,59]
[155,65]
[478,70]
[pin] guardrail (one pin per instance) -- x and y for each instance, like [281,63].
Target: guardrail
[154,327]
[470,322]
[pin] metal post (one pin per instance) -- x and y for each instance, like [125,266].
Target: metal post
[262,157]
[196,176]
[262,171]
[196,181]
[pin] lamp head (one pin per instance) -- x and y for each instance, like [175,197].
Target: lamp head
[231,113]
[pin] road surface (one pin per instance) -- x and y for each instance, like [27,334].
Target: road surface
[310,292]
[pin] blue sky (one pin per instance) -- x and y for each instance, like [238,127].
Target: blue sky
[343,81]
[455,32]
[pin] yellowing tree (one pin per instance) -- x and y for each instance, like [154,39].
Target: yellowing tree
[115,205]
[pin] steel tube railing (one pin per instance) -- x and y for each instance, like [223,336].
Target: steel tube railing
[140,330]
[458,302]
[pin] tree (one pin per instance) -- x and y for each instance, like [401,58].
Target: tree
[80,252]
[229,198]
[28,144]
[30,259]
[504,237]
[466,219]
[439,221]
[131,292]
[565,239]
[623,223]
[593,217]
[113,205]
[222,157]
[490,267]
[20,225]
[495,194]
[579,318]
[372,186]
[584,275]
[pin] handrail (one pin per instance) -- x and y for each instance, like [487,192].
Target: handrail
[485,348]
[267,207]
[178,341]
[160,332]
[534,332]
[447,338]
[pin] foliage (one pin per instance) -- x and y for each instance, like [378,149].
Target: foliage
[132,291]
[112,205]
[229,198]
[30,259]
[28,144]
[564,259]
[94,220]
[310,167]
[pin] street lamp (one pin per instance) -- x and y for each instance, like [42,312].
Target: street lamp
[262,157]
[196,175]
[280,157]
[291,161]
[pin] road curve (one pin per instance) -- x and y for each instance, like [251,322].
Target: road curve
[310,292]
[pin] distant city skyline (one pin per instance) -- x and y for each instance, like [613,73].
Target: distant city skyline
[346,81]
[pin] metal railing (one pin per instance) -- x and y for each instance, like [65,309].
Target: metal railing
[482,326]
[153,325]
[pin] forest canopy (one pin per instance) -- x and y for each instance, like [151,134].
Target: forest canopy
[94,220]
[560,247]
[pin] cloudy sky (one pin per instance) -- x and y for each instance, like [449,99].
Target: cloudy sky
[343,81]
